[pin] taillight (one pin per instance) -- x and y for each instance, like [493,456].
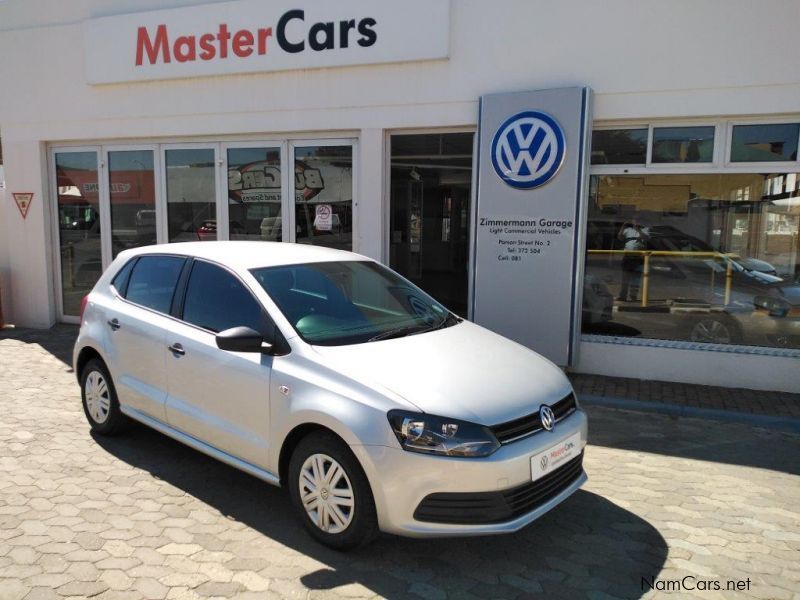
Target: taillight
[84,302]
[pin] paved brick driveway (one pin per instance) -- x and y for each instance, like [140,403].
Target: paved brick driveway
[144,517]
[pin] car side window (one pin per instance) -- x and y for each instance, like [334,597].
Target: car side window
[152,281]
[216,300]
[120,281]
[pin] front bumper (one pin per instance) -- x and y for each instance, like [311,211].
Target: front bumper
[400,480]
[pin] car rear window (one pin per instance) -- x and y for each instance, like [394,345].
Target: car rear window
[152,281]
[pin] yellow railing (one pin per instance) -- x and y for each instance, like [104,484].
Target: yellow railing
[647,254]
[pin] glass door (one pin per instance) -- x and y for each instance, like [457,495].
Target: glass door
[80,251]
[190,189]
[255,190]
[132,197]
[431,188]
[323,193]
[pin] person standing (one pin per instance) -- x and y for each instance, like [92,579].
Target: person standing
[633,238]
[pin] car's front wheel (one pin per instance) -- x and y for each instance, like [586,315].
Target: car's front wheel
[100,401]
[331,493]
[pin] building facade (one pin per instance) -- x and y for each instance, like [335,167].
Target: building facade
[355,125]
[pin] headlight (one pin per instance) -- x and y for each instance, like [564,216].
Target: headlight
[776,307]
[430,434]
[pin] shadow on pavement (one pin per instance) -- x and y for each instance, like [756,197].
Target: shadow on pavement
[699,439]
[585,544]
[58,340]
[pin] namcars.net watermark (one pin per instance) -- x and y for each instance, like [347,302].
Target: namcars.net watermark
[690,583]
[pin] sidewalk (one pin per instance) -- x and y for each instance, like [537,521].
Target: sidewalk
[689,396]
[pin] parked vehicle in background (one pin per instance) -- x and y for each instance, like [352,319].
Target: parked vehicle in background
[326,372]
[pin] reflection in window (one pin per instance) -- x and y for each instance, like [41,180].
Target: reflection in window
[78,226]
[431,185]
[619,146]
[700,258]
[133,202]
[254,194]
[757,143]
[323,187]
[683,144]
[191,195]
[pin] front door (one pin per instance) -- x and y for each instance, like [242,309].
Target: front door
[216,396]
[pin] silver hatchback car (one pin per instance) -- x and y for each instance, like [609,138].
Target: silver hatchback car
[328,373]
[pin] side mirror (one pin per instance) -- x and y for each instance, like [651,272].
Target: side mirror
[242,339]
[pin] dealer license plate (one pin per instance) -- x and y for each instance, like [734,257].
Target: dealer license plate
[555,456]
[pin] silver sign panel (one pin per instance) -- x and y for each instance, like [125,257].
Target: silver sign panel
[530,219]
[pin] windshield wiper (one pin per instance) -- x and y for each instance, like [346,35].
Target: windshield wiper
[397,332]
[443,323]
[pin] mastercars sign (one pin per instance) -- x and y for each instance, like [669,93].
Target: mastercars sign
[249,36]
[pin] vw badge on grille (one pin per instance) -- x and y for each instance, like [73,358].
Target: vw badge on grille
[547,417]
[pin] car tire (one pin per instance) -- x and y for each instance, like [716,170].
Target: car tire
[714,330]
[319,458]
[99,398]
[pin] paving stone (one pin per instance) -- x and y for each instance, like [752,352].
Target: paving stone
[140,516]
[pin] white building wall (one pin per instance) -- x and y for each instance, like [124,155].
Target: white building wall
[644,60]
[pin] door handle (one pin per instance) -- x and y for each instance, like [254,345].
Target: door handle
[176,349]
[114,324]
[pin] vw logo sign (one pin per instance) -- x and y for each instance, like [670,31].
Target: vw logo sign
[528,149]
[547,417]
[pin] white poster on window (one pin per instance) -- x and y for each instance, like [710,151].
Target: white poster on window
[323,220]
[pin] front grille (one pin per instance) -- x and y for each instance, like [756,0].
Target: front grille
[530,424]
[482,508]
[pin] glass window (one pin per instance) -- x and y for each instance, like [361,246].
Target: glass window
[153,280]
[699,258]
[78,226]
[254,194]
[191,195]
[323,188]
[431,187]
[756,143]
[683,144]
[133,200]
[619,147]
[120,281]
[335,303]
[216,300]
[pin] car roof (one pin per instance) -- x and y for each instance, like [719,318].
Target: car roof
[249,254]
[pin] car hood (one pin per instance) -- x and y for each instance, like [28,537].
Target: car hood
[463,371]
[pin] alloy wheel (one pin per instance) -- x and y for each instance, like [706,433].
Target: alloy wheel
[326,493]
[711,331]
[98,399]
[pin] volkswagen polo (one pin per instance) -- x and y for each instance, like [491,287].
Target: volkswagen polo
[327,373]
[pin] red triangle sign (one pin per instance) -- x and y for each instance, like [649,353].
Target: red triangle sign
[23,200]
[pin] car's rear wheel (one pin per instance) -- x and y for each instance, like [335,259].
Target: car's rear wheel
[100,403]
[331,493]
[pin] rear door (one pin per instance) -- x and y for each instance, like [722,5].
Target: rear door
[219,397]
[137,320]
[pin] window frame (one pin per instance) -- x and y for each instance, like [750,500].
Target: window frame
[626,127]
[180,298]
[759,164]
[720,163]
[136,260]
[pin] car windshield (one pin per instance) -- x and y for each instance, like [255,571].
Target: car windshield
[350,302]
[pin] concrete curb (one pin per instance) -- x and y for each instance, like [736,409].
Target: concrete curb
[787,424]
